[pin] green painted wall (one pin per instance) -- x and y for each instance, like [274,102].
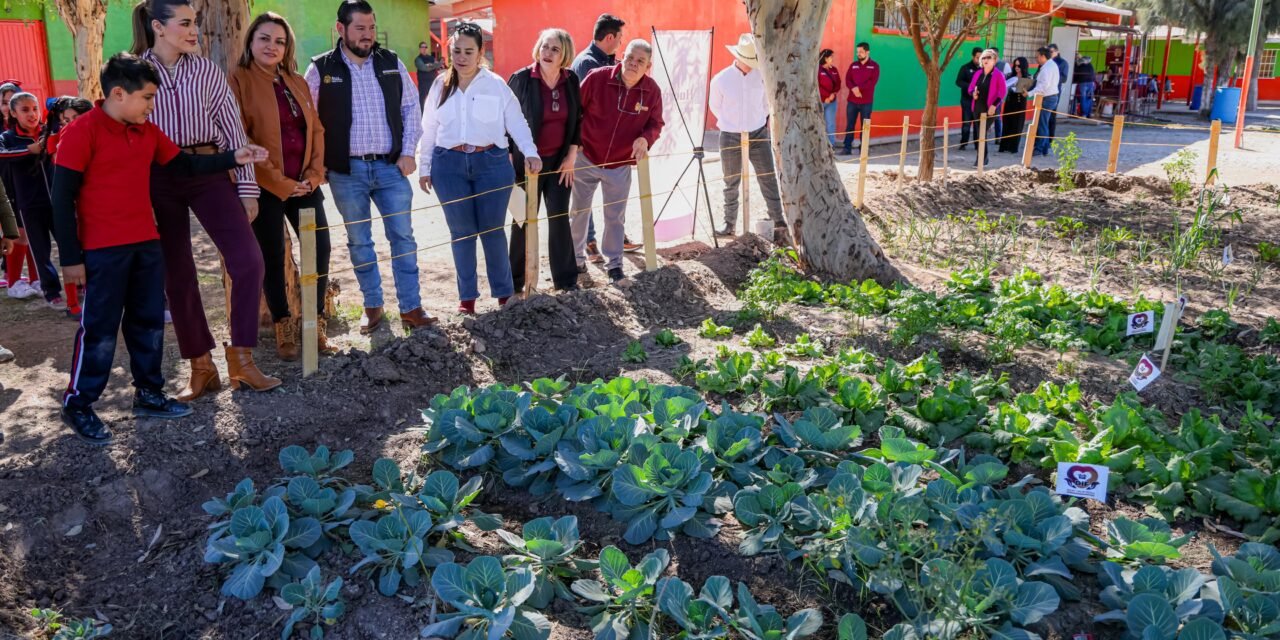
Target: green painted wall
[405,23]
[902,80]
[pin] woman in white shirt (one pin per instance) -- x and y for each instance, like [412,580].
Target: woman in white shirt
[463,155]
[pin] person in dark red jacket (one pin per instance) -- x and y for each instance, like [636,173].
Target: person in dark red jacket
[829,90]
[861,79]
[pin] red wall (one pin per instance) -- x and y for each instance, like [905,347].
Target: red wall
[518,23]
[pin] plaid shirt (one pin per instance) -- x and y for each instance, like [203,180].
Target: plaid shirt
[370,133]
[194,106]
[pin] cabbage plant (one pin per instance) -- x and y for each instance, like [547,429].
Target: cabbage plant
[547,548]
[489,602]
[622,601]
[661,493]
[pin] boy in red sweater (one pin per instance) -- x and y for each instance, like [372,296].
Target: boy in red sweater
[107,240]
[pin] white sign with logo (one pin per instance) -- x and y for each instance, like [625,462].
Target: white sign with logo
[1082,480]
[1139,323]
[1144,374]
[1228,256]
[682,68]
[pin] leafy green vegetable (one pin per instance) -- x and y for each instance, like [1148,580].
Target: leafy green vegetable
[622,601]
[312,597]
[547,548]
[489,602]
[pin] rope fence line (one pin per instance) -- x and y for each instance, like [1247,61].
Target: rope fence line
[308,228]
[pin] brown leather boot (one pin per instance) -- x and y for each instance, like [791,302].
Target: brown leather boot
[244,373]
[286,339]
[322,331]
[204,379]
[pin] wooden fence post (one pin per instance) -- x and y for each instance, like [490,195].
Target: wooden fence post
[862,166]
[1031,132]
[982,142]
[1214,132]
[746,182]
[532,245]
[1117,130]
[946,135]
[902,151]
[308,280]
[646,216]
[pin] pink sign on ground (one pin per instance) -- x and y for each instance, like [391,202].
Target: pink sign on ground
[670,229]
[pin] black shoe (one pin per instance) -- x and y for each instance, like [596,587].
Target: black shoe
[615,274]
[726,232]
[568,288]
[87,425]
[962,146]
[582,269]
[149,403]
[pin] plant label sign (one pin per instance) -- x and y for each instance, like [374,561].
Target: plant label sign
[1228,256]
[1144,374]
[1139,323]
[1082,480]
[1168,324]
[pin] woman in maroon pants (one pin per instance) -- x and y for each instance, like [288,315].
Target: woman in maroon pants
[195,108]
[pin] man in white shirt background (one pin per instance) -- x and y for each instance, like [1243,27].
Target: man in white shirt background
[740,106]
[1047,86]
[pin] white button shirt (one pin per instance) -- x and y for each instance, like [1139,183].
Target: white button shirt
[1046,80]
[738,100]
[482,115]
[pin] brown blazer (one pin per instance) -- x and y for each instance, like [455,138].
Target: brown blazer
[253,89]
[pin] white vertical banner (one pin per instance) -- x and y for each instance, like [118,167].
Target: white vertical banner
[682,68]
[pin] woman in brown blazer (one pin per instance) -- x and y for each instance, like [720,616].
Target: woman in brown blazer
[278,114]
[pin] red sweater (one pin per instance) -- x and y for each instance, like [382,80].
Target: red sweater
[615,116]
[828,82]
[864,76]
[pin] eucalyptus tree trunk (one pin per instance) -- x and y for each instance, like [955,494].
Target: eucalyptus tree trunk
[831,235]
[87,22]
[222,25]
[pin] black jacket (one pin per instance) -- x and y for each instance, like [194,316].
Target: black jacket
[335,103]
[31,174]
[966,75]
[527,91]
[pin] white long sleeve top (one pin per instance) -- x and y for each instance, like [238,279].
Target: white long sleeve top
[482,115]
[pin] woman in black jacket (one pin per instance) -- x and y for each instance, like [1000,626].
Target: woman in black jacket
[552,103]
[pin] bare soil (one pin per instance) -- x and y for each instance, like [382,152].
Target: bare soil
[118,533]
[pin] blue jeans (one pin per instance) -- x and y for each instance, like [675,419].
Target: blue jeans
[852,112]
[1043,140]
[382,182]
[1086,99]
[829,111]
[456,176]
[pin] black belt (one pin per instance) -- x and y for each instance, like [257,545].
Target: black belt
[373,157]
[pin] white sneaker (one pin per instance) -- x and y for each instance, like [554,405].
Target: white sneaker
[22,290]
[5,354]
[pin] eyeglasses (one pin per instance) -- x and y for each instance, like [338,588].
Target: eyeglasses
[622,100]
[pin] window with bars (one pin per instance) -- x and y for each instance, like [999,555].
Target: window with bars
[887,16]
[1267,68]
[1023,34]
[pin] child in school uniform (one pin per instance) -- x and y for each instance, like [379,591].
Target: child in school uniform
[22,148]
[108,242]
[18,286]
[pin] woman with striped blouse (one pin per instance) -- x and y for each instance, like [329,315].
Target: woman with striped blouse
[196,109]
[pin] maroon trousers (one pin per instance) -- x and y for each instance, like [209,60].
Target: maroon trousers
[213,199]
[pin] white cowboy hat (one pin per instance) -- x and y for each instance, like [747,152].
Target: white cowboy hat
[745,50]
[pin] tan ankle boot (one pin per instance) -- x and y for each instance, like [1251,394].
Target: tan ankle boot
[322,330]
[204,379]
[286,341]
[244,373]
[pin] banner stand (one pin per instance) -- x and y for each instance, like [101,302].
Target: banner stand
[699,151]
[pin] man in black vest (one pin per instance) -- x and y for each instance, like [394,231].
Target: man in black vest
[369,108]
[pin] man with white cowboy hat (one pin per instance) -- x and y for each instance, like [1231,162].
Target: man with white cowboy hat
[739,103]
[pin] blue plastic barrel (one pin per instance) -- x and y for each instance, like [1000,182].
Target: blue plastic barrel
[1197,97]
[1226,105]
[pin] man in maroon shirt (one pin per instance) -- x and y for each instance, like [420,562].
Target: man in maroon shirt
[861,80]
[622,118]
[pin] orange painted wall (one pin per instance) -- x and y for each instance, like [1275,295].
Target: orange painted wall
[519,21]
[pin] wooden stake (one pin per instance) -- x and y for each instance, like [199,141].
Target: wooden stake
[982,142]
[902,152]
[862,164]
[1168,325]
[646,216]
[310,341]
[746,182]
[1031,132]
[1215,131]
[946,135]
[532,245]
[1117,130]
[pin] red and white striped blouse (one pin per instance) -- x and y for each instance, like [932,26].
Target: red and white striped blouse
[195,106]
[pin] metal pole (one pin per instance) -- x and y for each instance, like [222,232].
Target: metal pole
[1124,74]
[1248,71]
[1164,68]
